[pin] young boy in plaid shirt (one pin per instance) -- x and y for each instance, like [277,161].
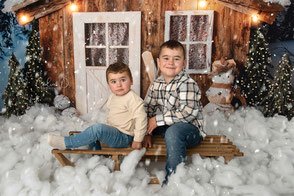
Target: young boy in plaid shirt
[173,106]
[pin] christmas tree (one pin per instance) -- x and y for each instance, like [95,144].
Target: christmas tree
[34,70]
[15,95]
[256,79]
[280,99]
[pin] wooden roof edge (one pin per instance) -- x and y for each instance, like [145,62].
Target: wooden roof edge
[36,9]
[23,4]
[266,15]
[256,5]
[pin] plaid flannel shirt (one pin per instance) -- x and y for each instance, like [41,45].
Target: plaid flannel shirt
[177,101]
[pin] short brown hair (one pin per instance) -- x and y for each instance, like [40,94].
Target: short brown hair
[118,68]
[173,44]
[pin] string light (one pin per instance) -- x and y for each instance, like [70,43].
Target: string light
[73,7]
[255,18]
[24,19]
[202,3]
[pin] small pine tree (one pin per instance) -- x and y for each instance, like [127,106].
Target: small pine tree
[256,79]
[280,99]
[15,96]
[34,70]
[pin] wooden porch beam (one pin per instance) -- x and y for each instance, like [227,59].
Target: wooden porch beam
[38,10]
[267,15]
[22,5]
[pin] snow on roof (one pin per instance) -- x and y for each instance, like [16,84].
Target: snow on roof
[281,2]
[10,3]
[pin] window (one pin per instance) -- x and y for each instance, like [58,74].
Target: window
[194,30]
[106,43]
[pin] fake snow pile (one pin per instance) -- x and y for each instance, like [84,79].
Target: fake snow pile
[28,168]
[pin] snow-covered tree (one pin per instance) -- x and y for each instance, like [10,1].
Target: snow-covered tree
[15,95]
[5,26]
[280,99]
[256,79]
[34,70]
[9,29]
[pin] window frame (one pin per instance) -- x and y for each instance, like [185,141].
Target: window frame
[187,42]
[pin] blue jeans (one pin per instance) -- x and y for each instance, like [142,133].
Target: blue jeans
[96,133]
[178,137]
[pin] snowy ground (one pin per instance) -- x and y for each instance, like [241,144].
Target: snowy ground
[28,168]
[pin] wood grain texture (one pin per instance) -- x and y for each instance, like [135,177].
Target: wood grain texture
[51,41]
[231,34]
[69,67]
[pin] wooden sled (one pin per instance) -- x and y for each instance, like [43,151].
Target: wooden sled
[211,146]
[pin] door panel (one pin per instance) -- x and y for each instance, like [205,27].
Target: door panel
[100,39]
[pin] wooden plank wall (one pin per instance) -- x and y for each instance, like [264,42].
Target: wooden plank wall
[231,36]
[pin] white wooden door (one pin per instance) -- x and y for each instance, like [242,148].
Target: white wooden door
[100,39]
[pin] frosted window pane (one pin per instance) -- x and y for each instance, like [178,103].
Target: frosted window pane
[178,27]
[199,28]
[197,56]
[95,57]
[119,55]
[94,34]
[118,34]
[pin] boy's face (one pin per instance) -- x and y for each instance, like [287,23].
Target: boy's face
[119,83]
[171,62]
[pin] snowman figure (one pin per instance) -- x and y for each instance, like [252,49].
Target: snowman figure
[221,93]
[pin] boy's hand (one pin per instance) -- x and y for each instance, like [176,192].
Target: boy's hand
[151,125]
[137,145]
[147,141]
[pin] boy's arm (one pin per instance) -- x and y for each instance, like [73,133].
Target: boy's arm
[140,120]
[150,102]
[188,108]
[137,145]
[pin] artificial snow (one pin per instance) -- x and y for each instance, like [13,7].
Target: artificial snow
[27,166]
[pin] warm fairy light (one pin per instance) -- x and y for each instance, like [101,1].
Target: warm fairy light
[202,4]
[73,7]
[255,18]
[24,19]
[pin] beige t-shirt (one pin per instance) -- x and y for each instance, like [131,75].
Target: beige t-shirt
[127,114]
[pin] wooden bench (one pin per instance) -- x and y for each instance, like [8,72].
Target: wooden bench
[211,146]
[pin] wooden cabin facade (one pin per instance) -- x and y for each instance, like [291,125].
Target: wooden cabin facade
[230,38]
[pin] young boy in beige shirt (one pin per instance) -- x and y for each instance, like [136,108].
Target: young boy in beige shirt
[126,120]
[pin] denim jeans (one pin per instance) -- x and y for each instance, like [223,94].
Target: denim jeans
[178,137]
[96,133]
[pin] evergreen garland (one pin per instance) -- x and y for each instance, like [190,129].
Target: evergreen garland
[280,99]
[34,70]
[256,79]
[15,96]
